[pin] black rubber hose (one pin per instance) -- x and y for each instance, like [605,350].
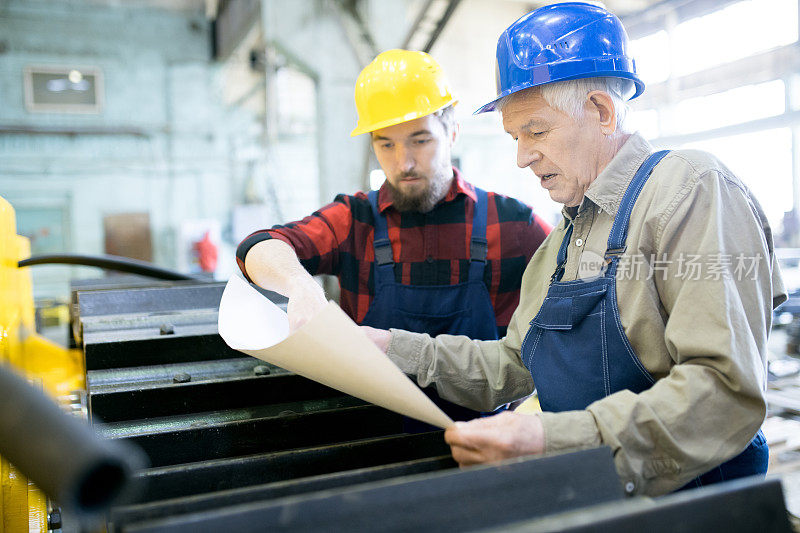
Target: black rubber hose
[109,262]
[61,453]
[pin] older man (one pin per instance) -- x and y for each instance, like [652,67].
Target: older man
[644,317]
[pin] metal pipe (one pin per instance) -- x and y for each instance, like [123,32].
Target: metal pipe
[59,453]
[109,262]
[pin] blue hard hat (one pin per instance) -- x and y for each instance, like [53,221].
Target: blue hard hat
[562,42]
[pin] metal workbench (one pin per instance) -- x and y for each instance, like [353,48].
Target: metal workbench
[239,444]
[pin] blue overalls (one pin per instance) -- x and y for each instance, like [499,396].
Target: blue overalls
[461,309]
[578,353]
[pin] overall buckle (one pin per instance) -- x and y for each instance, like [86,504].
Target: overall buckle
[614,253]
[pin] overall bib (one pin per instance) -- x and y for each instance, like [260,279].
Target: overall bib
[461,309]
[578,353]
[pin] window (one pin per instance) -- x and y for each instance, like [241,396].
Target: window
[63,89]
[651,54]
[763,161]
[376,179]
[739,30]
[645,122]
[735,106]
[296,96]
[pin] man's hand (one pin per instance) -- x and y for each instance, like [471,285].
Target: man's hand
[380,337]
[306,299]
[495,438]
[272,264]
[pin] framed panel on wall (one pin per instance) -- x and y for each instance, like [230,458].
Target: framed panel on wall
[55,89]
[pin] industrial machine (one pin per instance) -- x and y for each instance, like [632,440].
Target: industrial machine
[233,443]
[37,439]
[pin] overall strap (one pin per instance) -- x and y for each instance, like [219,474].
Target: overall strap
[478,245]
[619,230]
[384,261]
[561,258]
[381,243]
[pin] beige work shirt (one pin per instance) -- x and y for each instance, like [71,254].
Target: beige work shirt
[696,288]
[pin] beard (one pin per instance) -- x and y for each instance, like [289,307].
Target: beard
[420,201]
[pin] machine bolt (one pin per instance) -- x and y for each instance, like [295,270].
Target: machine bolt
[54,519]
[181,377]
[167,329]
[261,370]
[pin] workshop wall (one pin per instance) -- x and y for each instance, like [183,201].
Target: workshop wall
[169,140]
[160,144]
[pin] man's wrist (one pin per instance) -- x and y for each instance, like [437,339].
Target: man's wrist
[302,284]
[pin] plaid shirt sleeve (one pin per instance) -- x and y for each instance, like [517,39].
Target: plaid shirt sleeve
[337,240]
[316,238]
[517,233]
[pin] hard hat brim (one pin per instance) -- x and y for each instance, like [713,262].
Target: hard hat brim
[491,106]
[359,129]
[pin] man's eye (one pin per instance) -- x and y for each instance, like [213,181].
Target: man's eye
[422,141]
[386,145]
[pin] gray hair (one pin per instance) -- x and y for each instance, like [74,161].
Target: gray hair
[569,96]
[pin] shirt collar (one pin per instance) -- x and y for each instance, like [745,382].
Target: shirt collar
[459,186]
[607,190]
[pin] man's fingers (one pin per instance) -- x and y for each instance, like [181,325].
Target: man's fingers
[466,456]
[475,434]
[458,435]
[495,438]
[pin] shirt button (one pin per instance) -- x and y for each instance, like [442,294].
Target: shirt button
[630,487]
[578,242]
[429,259]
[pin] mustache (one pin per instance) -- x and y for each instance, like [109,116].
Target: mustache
[409,174]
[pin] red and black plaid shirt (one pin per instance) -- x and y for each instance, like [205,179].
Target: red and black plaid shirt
[429,248]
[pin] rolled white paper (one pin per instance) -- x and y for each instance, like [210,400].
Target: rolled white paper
[330,349]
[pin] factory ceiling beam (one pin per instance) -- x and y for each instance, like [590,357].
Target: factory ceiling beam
[356,30]
[451,7]
[417,22]
[775,64]
[787,119]
[233,22]
[431,20]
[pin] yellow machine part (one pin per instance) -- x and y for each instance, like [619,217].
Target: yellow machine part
[57,370]
[529,406]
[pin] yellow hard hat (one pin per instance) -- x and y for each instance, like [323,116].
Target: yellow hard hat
[398,86]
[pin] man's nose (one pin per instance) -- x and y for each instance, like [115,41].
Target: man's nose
[527,155]
[405,159]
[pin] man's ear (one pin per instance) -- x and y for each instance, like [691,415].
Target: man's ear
[600,102]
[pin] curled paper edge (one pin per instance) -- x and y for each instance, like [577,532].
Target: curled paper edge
[330,349]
